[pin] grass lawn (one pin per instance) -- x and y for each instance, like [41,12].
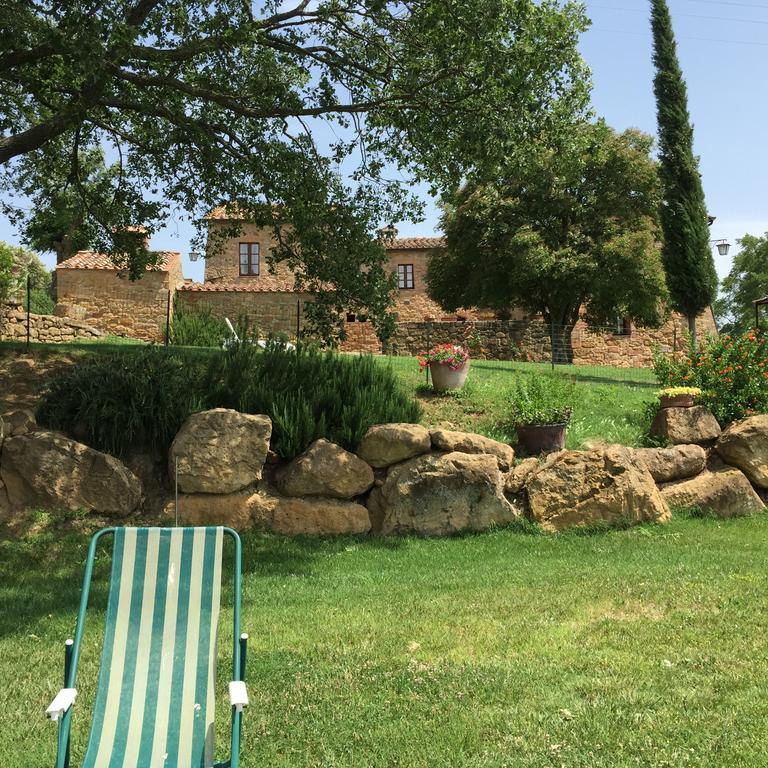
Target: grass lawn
[644,647]
[610,403]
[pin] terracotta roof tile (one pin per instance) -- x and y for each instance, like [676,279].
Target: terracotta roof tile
[414,243]
[92,260]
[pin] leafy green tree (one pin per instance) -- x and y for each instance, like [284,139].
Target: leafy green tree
[746,282]
[688,260]
[270,105]
[15,265]
[64,210]
[562,230]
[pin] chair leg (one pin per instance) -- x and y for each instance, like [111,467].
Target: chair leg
[63,721]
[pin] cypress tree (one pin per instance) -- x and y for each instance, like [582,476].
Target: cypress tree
[687,255]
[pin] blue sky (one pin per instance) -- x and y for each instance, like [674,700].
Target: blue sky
[723,50]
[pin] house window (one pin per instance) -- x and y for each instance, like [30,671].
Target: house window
[249,258]
[405,275]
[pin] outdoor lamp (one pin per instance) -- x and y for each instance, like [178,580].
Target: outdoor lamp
[723,246]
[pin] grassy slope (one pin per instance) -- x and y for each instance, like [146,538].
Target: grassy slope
[637,648]
[609,407]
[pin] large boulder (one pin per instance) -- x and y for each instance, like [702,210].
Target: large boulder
[386,444]
[316,516]
[580,488]
[220,451]
[744,444]
[325,469]
[683,426]
[18,422]
[517,476]
[439,495]
[234,510]
[44,469]
[726,493]
[677,463]
[468,442]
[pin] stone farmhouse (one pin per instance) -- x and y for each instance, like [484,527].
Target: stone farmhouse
[238,284]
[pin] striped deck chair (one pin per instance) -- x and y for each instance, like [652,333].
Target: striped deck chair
[154,705]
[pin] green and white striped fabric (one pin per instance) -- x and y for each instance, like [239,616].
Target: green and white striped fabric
[155,700]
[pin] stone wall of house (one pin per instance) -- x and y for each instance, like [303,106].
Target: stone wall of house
[43,329]
[507,340]
[361,337]
[116,305]
[412,305]
[222,259]
[268,312]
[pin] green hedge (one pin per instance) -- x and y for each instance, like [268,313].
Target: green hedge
[119,402]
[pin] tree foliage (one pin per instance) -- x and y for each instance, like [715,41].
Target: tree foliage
[15,265]
[201,103]
[746,282]
[688,260]
[564,228]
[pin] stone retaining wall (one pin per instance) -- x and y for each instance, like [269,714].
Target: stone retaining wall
[44,329]
[506,340]
[400,479]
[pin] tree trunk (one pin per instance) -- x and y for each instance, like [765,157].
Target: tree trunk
[692,331]
[562,346]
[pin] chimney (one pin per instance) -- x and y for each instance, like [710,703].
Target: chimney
[387,234]
[140,228]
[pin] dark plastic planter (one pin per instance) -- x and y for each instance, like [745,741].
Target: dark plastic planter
[541,438]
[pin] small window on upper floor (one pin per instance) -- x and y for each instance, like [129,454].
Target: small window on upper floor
[249,259]
[405,276]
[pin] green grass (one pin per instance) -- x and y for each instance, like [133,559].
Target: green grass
[610,404]
[643,647]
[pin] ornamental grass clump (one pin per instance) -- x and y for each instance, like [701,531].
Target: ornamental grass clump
[730,371]
[452,355]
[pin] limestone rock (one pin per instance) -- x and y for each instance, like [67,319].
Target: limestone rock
[683,426]
[726,493]
[439,495]
[325,469]
[468,442]
[744,445]
[386,444]
[667,464]
[317,516]
[515,479]
[578,488]
[18,422]
[48,470]
[233,510]
[220,451]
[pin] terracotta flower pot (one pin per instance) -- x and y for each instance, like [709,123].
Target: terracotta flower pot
[541,438]
[443,378]
[677,401]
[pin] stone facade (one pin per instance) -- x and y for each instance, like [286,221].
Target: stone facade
[90,290]
[276,312]
[90,287]
[43,329]
[507,339]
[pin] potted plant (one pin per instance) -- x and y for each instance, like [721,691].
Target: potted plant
[540,408]
[448,365]
[678,397]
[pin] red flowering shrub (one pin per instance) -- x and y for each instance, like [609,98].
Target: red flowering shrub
[731,371]
[445,354]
